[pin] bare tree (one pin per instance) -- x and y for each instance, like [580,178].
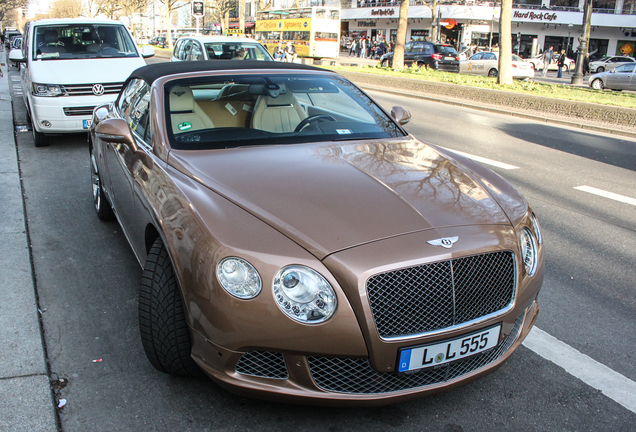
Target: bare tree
[220,12]
[7,6]
[505,43]
[67,9]
[434,28]
[170,6]
[398,52]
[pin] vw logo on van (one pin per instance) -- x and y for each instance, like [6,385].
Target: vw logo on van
[98,89]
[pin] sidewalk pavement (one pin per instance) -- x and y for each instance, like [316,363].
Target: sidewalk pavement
[26,403]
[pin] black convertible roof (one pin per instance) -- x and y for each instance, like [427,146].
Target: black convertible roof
[154,71]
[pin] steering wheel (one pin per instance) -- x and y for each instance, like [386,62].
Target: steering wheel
[318,118]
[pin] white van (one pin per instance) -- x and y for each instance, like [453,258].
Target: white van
[70,66]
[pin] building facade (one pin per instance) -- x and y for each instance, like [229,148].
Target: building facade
[536,24]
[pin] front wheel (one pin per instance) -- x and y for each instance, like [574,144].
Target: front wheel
[100,202]
[597,84]
[39,139]
[493,73]
[599,70]
[162,322]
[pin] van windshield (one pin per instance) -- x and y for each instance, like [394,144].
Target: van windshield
[79,41]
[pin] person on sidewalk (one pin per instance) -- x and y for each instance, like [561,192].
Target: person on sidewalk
[560,63]
[586,64]
[279,53]
[547,59]
[290,53]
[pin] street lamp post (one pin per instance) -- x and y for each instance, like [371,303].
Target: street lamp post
[569,39]
[579,73]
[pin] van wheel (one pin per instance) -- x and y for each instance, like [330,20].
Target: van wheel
[164,331]
[39,139]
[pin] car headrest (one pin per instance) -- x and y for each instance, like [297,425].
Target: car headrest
[181,99]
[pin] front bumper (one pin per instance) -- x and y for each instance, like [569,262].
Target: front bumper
[297,378]
[64,114]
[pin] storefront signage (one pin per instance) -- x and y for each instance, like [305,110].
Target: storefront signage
[382,12]
[366,23]
[532,16]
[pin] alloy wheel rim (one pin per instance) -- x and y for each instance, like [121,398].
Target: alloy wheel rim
[95,182]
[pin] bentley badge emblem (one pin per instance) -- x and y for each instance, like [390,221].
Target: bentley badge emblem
[445,242]
[98,89]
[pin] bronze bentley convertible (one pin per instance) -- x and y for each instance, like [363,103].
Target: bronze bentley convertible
[298,244]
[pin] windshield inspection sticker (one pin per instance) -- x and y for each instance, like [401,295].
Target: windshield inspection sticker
[343,131]
[184,126]
[230,108]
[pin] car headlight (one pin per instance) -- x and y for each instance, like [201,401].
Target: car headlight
[239,278]
[47,90]
[536,228]
[528,251]
[304,295]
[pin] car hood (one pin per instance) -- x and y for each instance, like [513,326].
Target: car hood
[330,197]
[80,71]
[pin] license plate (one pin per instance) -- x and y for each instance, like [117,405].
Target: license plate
[449,58]
[448,351]
[87,123]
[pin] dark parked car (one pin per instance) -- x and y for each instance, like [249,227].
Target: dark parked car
[8,35]
[298,244]
[437,56]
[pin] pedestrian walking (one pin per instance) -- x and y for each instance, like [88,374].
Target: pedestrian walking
[586,64]
[560,63]
[352,48]
[547,59]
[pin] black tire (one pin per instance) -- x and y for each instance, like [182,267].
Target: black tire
[600,69]
[164,330]
[39,139]
[597,84]
[493,73]
[102,206]
[387,63]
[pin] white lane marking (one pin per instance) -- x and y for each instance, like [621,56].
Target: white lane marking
[484,160]
[606,194]
[613,385]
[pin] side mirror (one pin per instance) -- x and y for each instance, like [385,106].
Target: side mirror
[15,55]
[147,51]
[400,115]
[115,130]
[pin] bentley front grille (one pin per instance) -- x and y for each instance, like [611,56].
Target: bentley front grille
[355,376]
[430,297]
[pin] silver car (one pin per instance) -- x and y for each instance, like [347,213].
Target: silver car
[621,78]
[609,63]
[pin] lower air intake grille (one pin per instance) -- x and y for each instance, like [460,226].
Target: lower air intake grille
[263,364]
[79,111]
[343,375]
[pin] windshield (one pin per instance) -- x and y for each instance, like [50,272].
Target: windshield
[237,50]
[80,41]
[234,111]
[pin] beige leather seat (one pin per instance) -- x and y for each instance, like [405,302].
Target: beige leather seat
[186,112]
[281,114]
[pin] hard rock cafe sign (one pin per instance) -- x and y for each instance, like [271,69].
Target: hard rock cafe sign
[382,12]
[533,16]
